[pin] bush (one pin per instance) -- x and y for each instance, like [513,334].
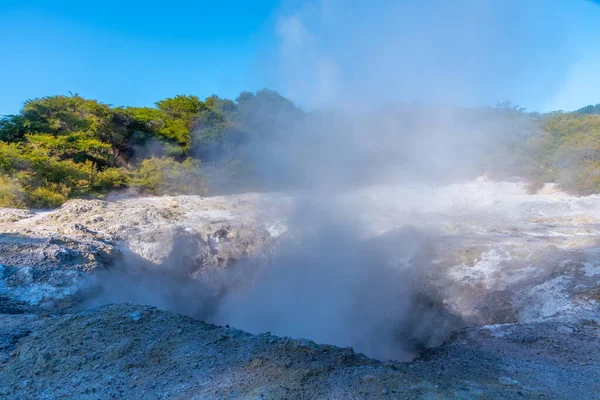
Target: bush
[49,196]
[158,176]
[109,179]
[566,152]
[12,194]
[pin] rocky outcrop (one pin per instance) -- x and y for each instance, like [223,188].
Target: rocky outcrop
[488,251]
[48,258]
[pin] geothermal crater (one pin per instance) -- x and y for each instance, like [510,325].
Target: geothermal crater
[494,291]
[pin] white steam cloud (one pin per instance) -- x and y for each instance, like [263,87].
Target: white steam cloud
[387,78]
[362,63]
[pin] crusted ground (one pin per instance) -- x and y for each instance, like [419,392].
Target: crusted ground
[520,272]
[129,351]
[489,252]
[48,258]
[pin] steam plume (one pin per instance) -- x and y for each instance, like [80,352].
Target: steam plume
[391,81]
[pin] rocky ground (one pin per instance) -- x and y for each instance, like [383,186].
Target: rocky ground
[508,283]
[48,258]
[129,351]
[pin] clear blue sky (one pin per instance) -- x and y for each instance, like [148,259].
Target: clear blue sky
[129,52]
[137,52]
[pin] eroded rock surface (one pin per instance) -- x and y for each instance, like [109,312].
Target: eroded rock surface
[46,258]
[129,351]
[490,252]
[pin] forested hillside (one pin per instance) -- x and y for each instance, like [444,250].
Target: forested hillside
[62,147]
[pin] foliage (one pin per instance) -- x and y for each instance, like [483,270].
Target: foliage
[567,152]
[61,147]
[12,194]
[51,195]
[12,128]
[78,146]
[266,113]
[589,109]
[158,176]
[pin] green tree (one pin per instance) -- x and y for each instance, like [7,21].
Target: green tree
[180,115]
[64,115]
[12,128]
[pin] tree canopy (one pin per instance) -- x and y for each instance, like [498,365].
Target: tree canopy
[60,147]
[589,110]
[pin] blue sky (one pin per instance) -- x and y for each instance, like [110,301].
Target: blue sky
[137,52]
[129,52]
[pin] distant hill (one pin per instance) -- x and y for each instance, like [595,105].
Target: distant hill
[589,110]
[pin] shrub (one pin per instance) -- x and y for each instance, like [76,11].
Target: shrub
[165,175]
[12,194]
[49,196]
[109,179]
